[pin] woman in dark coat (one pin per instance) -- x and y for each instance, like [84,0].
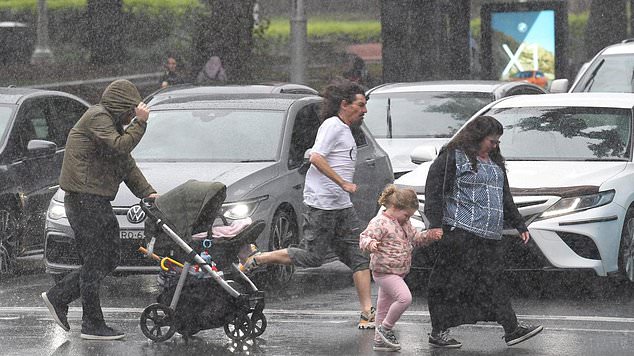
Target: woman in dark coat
[467,198]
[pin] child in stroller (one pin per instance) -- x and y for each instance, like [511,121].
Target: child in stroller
[189,304]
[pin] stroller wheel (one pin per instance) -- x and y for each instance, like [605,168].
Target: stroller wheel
[258,320]
[157,322]
[239,328]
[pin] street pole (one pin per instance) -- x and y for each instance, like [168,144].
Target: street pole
[42,53]
[298,42]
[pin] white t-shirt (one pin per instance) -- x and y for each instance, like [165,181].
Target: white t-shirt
[334,141]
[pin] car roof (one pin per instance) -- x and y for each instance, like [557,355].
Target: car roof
[15,95]
[619,48]
[189,90]
[608,100]
[480,86]
[234,101]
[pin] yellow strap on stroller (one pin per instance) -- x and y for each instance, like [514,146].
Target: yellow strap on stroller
[172,261]
[162,259]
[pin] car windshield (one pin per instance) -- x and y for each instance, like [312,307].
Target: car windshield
[212,135]
[565,134]
[421,114]
[5,120]
[614,74]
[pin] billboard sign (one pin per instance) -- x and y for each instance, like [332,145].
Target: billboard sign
[523,40]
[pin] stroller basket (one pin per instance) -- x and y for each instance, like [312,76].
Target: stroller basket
[229,298]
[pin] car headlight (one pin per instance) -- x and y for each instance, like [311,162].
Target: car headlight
[241,209]
[576,204]
[56,210]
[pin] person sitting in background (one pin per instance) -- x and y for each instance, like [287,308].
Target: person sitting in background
[212,72]
[171,76]
[357,71]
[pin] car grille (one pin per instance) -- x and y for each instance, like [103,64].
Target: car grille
[64,252]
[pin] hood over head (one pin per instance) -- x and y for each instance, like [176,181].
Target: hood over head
[120,96]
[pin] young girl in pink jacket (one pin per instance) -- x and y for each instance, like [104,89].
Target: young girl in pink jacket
[390,238]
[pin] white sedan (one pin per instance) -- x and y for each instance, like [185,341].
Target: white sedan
[569,162]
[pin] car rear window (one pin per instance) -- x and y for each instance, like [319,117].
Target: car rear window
[6,112]
[565,133]
[217,135]
[421,114]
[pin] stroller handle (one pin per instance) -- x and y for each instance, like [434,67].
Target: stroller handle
[148,205]
[148,201]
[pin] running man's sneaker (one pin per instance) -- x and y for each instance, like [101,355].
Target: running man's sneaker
[388,337]
[366,321]
[522,332]
[58,312]
[382,346]
[442,339]
[250,264]
[102,332]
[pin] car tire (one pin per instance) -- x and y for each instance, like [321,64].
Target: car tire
[626,249]
[284,232]
[9,232]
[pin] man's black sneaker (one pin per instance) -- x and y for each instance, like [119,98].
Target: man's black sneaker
[102,332]
[58,312]
[442,339]
[521,333]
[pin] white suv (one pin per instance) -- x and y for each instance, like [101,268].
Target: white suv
[610,71]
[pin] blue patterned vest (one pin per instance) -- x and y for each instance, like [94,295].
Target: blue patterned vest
[476,203]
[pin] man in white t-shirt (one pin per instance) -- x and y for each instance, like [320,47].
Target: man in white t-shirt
[330,220]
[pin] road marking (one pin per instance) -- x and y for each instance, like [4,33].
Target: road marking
[311,312]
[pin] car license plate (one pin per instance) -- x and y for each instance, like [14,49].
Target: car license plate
[131,234]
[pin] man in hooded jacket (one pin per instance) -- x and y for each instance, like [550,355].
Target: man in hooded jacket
[97,159]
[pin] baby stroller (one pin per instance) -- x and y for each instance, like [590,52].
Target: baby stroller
[224,295]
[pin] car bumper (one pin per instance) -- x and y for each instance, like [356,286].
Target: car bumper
[61,256]
[588,240]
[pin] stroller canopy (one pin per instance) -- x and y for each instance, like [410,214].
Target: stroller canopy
[191,205]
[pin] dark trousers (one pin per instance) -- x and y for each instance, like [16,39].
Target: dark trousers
[467,283]
[97,242]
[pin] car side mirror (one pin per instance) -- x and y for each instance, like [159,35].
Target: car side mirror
[559,86]
[305,162]
[424,153]
[40,149]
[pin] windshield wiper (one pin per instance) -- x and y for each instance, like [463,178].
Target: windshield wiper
[389,118]
[590,81]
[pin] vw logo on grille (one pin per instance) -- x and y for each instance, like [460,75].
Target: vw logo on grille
[135,214]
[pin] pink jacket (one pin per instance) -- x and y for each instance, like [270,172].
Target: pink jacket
[397,242]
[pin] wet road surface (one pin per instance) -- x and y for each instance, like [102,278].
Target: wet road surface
[317,315]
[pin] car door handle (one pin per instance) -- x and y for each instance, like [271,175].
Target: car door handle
[370,162]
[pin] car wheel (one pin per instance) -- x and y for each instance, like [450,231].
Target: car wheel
[8,240]
[284,232]
[626,250]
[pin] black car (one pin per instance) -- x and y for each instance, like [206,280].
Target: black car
[34,125]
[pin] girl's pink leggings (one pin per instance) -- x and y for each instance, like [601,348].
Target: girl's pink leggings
[394,298]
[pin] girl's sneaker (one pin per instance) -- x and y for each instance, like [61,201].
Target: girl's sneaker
[388,337]
[381,346]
